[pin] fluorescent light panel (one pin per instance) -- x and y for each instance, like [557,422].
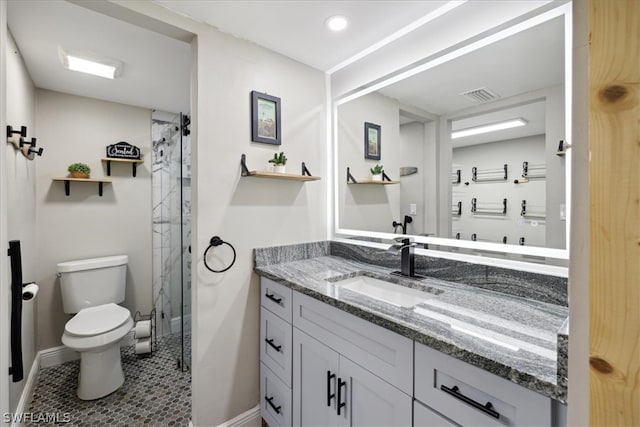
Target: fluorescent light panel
[91,67]
[508,124]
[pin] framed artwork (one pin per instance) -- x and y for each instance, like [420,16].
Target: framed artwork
[372,141]
[265,118]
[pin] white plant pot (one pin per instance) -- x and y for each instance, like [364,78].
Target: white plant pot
[279,168]
[377,177]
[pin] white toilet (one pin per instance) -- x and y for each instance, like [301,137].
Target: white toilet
[92,288]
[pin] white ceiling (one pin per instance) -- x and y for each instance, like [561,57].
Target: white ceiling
[525,62]
[156,68]
[297,28]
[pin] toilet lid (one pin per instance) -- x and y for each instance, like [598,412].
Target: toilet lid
[97,320]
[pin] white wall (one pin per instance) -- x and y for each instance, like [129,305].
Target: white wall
[20,174]
[368,207]
[247,212]
[84,225]
[412,187]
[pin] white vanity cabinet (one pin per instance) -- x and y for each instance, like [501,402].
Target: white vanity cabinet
[331,390]
[470,396]
[321,366]
[275,353]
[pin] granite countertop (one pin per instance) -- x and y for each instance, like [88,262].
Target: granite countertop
[509,336]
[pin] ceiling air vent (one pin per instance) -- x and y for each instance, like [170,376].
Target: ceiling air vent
[480,95]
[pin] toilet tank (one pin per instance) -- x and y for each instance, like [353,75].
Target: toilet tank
[89,282]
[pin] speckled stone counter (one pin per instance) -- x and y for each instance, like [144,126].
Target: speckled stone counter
[510,336]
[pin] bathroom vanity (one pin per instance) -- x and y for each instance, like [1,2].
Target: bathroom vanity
[343,342]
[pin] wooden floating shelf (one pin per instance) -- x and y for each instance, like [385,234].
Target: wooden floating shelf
[67,181]
[285,176]
[560,153]
[372,182]
[133,162]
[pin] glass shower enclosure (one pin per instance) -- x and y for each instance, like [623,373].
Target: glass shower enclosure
[171,188]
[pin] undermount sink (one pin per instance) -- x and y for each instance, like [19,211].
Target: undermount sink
[388,292]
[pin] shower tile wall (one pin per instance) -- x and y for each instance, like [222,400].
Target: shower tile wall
[171,216]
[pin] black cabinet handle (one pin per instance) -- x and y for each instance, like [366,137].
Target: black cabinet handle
[486,408]
[273,298]
[270,402]
[341,404]
[330,395]
[270,342]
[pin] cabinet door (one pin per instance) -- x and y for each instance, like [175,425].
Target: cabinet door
[315,378]
[370,401]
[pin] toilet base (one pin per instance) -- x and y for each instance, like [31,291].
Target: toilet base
[100,373]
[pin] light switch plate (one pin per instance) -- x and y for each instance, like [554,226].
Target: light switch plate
[413,209]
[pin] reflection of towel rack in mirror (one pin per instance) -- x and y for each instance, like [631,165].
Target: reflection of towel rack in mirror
[474,238]
[488,175]
[456,209]
[537,170]
[488,211]
[532,215]
[456,177]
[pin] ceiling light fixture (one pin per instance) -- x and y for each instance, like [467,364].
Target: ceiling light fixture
[336,23]
[492,127]
[90,64]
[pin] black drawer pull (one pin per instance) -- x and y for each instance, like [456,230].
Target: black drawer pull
[330,395]
[341,404]
[270,402]
[273,298]
[486,408]
[270,342]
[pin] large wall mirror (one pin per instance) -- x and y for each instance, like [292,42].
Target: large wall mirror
[470,142]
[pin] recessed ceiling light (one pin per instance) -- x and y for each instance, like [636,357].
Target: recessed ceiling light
[336,23]
[507,124]
[90,64]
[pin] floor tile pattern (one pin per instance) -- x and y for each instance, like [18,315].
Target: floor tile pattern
[155,393]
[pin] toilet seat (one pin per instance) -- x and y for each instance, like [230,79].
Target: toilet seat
[97,320]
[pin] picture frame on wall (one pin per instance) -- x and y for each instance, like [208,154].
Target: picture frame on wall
[265,118]
[372,141]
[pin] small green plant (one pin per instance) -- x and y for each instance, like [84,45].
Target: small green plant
[279,159]
[376,170]
[79,168]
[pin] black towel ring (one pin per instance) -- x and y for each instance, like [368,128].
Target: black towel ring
[217,241]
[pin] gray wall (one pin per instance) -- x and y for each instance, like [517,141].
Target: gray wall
[368,207]
[84,225]
[21,192]
[247,212]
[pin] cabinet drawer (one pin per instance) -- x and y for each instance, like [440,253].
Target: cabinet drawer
[275,345]
[460,392]
[276,298]
[425,417]
[275,399]
[385,353]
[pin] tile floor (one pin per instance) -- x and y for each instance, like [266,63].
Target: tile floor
[155,392]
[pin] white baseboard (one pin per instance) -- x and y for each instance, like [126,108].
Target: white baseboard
[58,355]
[27,391]
[250,418]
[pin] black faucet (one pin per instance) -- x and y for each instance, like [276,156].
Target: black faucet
[407,261]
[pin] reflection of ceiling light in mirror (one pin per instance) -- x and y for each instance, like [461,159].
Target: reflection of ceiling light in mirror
[89,64]
[507,124]
[336,23]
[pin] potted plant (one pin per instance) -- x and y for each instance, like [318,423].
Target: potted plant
[79,170]
[376,173]
[279,160]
